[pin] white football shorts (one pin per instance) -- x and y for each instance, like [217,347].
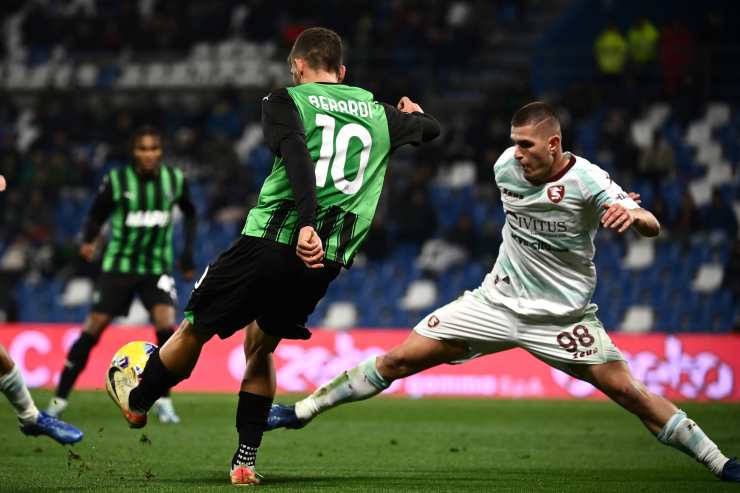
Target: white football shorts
[487,328]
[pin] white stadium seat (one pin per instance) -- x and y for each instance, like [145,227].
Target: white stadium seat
[77,292]
[640,254]
[419,295]
[708,278]
[341,315]
[638,318]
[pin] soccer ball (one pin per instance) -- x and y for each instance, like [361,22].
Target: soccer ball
[133,357]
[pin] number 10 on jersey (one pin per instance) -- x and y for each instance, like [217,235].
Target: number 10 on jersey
[334,155]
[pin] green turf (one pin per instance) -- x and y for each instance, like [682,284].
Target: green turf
[378,445]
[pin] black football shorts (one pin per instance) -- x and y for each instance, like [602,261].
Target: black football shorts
[115,292]
[258,279]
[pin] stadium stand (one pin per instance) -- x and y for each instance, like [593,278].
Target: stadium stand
[199,73]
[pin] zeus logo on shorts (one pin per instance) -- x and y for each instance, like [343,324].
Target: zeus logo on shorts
[583,354]
[433,321]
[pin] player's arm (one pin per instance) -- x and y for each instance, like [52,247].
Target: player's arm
[617,209]
[190,225]
[100,210]
[620,218]
[285,136]
[408,124]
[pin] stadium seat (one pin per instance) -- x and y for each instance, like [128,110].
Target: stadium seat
[640,253]
[718,114]
[340,315]
[78,291]
[420,294]
[708,278]
[639,318]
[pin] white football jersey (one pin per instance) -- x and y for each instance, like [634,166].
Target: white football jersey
[545,263]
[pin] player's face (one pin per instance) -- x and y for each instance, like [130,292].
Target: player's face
[148,153]
[532,148]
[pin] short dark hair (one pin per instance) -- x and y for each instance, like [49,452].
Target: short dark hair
[142,131]
[320,47]
[534,113]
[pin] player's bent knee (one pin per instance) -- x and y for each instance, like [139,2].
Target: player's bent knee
[628,392]
[393,367]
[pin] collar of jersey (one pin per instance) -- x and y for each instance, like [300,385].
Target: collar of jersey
[562,172]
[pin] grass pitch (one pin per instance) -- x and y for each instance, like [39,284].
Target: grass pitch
[384,444]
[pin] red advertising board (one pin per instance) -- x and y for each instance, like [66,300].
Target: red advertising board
[682,367]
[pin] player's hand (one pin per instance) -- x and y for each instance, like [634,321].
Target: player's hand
[617,217]
[87,251]
[405,105]
[635,196]
[3,183]
[186,265]
[309,248]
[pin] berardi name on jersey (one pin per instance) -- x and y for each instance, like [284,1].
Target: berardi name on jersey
[348,106]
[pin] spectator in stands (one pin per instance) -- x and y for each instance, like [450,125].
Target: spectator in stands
[714,65]
[642,43]
[416,219]
[720,217]
[688,222]
[378,244]
[463,235]
[657,161]
[642,40]
[615,139]
[610,49]
[677,54]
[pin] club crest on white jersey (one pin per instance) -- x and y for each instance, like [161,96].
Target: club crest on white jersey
[556,193]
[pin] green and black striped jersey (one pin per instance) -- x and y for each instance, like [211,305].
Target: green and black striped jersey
[331,143]
[141,224]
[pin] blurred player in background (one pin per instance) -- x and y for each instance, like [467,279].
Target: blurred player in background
[331,143]
[538,295]
[139,199]
[32,421]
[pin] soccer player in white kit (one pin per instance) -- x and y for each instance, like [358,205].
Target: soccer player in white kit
[537,296]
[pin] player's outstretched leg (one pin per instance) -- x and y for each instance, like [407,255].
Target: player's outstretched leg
[670,425]
[164,407]
[76,361]
[369,378]
[32,422]
[165,368]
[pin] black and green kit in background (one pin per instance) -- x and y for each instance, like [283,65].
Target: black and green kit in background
[140,208]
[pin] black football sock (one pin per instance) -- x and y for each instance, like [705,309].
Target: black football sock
[251,419]
[156,379]
[76,361]
[162,336]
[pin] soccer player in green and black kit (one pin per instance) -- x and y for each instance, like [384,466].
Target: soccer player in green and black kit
[138,260]
[331,143]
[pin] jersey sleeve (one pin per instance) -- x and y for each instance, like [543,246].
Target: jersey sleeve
[410,128]
[280,120]
[503,159]
[285,135]
[101,208]
[601,190]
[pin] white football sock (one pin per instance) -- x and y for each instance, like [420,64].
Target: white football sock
[682,433]
[358,383]
[15,390]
